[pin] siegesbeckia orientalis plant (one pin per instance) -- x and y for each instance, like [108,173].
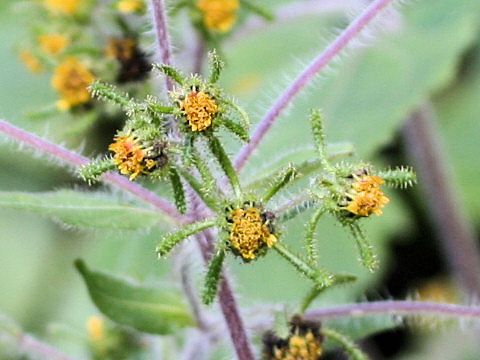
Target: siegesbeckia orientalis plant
[178,139]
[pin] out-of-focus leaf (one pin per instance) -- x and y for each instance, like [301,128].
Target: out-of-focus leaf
[86,210]
[372,90]
[365,98]
[458,113]
[361,327]
[157,310]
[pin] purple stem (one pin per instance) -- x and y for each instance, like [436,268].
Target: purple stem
[307,75]
[44,351]
[226,298]
[161,28]
[199,55]
[78,160]
[457,237]
[394,307]
[228,304]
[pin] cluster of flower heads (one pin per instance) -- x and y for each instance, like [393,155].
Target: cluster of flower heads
[65,41]
[176,140]
[146,146]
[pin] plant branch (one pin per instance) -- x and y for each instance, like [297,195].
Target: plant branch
[296,11]
[191,296]
[33,346]
[73,158]
[199,55]
[394,307]
[226,298]
[161,28]
[227,301]
[307,75]
[229,307]
[461,250]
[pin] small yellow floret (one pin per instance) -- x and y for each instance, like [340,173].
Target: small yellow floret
[69,7]
[71,80]
[129,156]
[95,328]
[31,61]
[219,15]
[200,109]
[53,44]
[369,198]
[130,6]
[249,233]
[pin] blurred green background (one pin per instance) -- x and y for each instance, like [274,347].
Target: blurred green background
[429,52]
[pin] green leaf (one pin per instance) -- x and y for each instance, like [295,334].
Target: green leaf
[169,241]
[216,66]
[213,277]
[368,257]
[310,243]
[156,310]
[178,191]
[280,180]
[170,72]
[320,277]
[305,161]
[236,129]
[352,349]
[361,103]
[82,209]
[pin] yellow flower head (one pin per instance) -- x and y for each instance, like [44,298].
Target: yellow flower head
[95,328]
[300,348]
[368,198]
[303,343]
[130,157]
[200,109]
[249,232]
[69,7]
[31,61]
[121,49]
[130,6]
[53,44]
[71,80]
[219,15]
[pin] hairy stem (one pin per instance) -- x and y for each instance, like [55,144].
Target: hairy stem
[199,55]
[227,300]
[228,304]
[461,250]
[395,307]
[307,75]
[295,11]
[161,28]
[191,296]
[73,158]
